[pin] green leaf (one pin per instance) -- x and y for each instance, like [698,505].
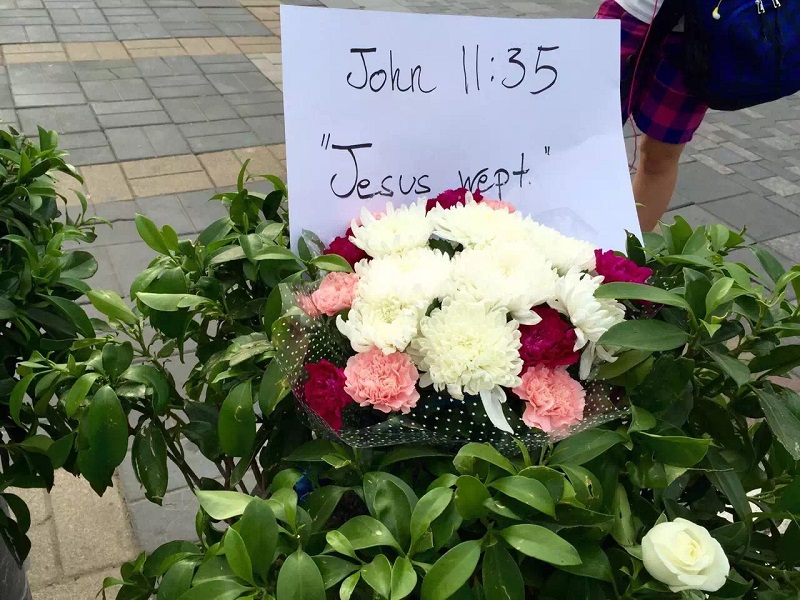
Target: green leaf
[675,450]
[378,575]
[112,306]
[722,475]
[7,309]
[331,263]
[502,579]
[153,378]
[642,420]
[388,503]
[349,586]
[528,491]
[176,581]
[594,562]
[171,302]
[76,315]
[322,503]
[275,253]
[623,530]
[584,446]
[237,422]
[164,557]
[732,367]
[61,449]
[223,504]
[637,291]
[483,452]
[451,571]
[334,569]
[103,436]
[624,363]
[300,579]
[541,543]
[78,265]
[218,589]
[149,458]
[783,423]
[410,453]
[365,532]
[18,397]
[404,579]
[259,531]
[117,358]
[771,265]
[779,361]
[429,507]
[274,387]
[151,235]
[644,334]
[470,498]
[237,556]
[718,293]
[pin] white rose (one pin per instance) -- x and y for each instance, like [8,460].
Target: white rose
[685,557]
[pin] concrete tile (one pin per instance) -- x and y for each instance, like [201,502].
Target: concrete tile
[129,260]
[143,169]
[78,513]
[37,501]
[106,183]
[788,246]
[222,167]
[130,143]
[174,520]
[113,91]
[85,33]
[44,561]
[780,186]
[64,119]
[201,210]
[166,140]
[270,130]
[166,210]
[699,183]
[81,588]
[223,141]
[262,161]
[192,110]
[763,219]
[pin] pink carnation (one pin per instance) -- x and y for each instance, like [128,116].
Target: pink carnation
[555,400]
[387,382]
[335,293]
[306,304]
[618,269]
[500,205]
[551,342]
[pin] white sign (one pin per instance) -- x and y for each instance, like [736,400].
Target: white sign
[390,107]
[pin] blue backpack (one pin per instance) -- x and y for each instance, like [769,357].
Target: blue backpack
[738,53]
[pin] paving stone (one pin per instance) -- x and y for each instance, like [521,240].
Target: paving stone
[252,28]
[788,246]
[106,70]
[129,114]
[763,219]
[201,210]
[192,110]
[112,541]
[167,66]
[70,16]
[37,501]
[166,210]
[81,588]
[87,148]
[44,561]
[85,33]
[780,186]
[154,525]
[182,88]
[6,100]
[239,83]
[270,130]
[139,31]
[146,142]
[136,14]
[111,91]
[129,260]
[46,94]
[64,119]
[106,183]
[701,184]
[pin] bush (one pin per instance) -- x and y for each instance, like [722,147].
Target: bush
[40,282]
[711,438]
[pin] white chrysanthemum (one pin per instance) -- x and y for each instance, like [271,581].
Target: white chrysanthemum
[591,316]
[564,252]
[474,224]
[395,231]
[514,276]
[386,323]
[468,347]
[417,277]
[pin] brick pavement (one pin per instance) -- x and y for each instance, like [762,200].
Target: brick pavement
[161,101]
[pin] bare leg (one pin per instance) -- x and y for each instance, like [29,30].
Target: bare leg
[655,180]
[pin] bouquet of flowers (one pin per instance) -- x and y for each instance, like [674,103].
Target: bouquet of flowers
[462,319]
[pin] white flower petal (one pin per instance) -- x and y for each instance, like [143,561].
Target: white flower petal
[493,405]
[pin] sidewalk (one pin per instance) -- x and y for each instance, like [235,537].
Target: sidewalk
[161,101]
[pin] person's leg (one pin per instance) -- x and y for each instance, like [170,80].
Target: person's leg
[655,180]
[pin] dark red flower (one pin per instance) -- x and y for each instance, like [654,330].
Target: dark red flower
[550,343]
[618,269]
[324,392]
[451,198]
[346,249]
